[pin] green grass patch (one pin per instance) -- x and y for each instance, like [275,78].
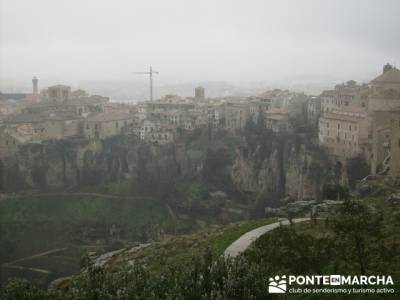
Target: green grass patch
[30,224]
[178,251]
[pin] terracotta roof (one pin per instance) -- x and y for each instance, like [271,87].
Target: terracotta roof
[391,76]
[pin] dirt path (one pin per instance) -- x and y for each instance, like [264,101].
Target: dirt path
[11,264]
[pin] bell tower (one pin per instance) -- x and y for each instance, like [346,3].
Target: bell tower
[35,85]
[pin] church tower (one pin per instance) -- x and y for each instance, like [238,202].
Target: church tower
[35,86]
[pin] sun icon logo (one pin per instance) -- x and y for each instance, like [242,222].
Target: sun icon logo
[277,285]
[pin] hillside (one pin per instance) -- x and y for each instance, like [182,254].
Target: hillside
[76,223]
[191,267]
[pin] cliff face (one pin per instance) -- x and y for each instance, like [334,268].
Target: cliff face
[286,167]
[289,168]
[71,164]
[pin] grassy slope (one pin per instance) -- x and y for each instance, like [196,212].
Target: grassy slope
[178,251]
[389,230]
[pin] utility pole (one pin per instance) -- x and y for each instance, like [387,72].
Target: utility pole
[151,72]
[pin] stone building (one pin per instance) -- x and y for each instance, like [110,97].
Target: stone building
[358,120]
[38,127]
[59,93]
[161,136]
[313,111]
[277,120]
[345,95]
[35,88]
[149,126]
[199,93]
[385,91]
[104,125]
[9,142]
[236,114]
[60,114]
[60,99]
[343,133]
[215,115]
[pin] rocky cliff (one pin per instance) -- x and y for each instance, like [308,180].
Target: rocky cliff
[282,166]
[290,166]
[76,163]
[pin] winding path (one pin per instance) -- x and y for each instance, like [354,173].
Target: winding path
[242,243]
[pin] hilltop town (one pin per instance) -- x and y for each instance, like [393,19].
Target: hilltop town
[351,120]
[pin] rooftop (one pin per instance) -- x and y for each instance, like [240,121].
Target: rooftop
[390,76]
[108,117]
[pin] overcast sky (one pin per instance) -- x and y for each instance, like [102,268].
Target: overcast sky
[189,40]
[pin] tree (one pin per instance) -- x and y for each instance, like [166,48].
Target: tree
[1,175]
[260,122]
[215,172]
[21,289]
[358,233]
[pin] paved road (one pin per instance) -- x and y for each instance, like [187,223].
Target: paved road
[242,243]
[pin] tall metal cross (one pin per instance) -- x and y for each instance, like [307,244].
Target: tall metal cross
[151,72]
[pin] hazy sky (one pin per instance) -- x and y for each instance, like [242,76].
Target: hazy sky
[189,40]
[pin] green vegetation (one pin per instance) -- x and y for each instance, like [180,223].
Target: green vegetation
[179,251]
[35,223]
[361,238]
[76,223]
